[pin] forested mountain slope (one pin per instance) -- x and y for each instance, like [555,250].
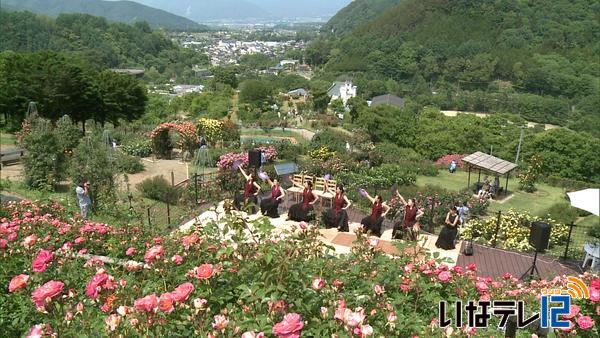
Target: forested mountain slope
[535,58]
[356,13]
[119,11]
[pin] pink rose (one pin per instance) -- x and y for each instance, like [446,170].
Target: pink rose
[182,292]
[165,303]
[391,317]
[48,290]
[29,241]
[177,259]
[36,331]
[40,262]
[147,303]
[318,283]
[17,282]
[585,322]
[112,322]
[3,243]
[366,330]
[79,240]
[472,267]
[220,322]
[130,252]
[378,289]
[573,311]
[595,283]
[97,281]
[204,271]
[594,294]
[289,327]
[444,276]
[251,334]
[153,253]
[481,287]
[303,225]
[355,318]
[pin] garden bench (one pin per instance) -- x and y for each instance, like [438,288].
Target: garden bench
[11,156]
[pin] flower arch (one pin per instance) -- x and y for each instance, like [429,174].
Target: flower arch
[161,138]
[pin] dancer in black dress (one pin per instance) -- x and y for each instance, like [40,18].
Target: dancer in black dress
[302,212]
[449,231]
[374,222]
[268,206]
[337,217]
[251,189]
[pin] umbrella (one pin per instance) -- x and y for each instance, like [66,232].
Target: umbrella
[327,177]
[587,199]
[263,176]
[362,192]
[237,164]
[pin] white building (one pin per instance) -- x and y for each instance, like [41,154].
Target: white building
[342,90]
[186,89]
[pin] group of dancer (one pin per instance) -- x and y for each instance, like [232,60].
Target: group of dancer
[337,216]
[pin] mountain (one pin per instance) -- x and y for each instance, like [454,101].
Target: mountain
[246,10]
[356,13]
[535,58]
[119,11]
[209,10]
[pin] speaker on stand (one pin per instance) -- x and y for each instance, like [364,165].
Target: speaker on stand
[539,237]
[254,158]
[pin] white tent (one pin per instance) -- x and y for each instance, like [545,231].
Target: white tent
[587,199]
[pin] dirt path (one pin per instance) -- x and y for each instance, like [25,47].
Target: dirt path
[454,113]
[181,171]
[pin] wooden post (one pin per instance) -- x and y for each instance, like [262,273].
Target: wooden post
[172,179]
[566,255]
[479,176]
[168,214]
[506,186]
[469,180]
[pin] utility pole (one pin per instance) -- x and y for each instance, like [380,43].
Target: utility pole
[519,147]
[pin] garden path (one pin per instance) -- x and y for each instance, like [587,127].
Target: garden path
[162,167]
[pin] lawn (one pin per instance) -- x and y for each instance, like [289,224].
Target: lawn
[273,132]
[536,203]
[7,139]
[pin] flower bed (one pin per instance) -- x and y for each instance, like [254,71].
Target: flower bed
[227,160]
[254,284]
[445,161]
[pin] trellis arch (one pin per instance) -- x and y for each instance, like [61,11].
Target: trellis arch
[161,138]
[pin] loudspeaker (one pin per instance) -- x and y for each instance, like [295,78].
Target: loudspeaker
[540,235]
[254,158]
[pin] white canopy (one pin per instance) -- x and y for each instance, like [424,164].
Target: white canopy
[587,199]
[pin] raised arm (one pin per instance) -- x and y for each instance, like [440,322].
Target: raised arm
[243,172]
[402,200]
[369,196]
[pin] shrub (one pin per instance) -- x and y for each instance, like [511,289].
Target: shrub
[288,151]
[392,153]
[528,178]
[43,159]
[561,212]
[594,231]
[330,138]
[67,134]
[140,147]
[514,230]
[322,153]
[128,164]
[159,189]
[445,161]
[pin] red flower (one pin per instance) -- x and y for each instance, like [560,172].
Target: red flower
[48,290]
[182,292]
[40,262]
[153,253]
[289,327]
[99,280]
[204,271]
[17,282]
[147,303]
[165,303]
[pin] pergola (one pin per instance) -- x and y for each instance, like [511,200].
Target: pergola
[488,163]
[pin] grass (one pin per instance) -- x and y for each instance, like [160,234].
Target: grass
[7,139]
[535,203]
[273,132]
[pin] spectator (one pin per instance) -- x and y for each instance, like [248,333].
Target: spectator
[452,167]
[463,213]
[83,196]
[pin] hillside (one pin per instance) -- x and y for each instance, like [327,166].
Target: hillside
[102,43]
[356,13]
[536,59]
[118,11]
[243,10]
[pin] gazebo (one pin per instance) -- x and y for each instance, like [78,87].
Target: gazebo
[488,163]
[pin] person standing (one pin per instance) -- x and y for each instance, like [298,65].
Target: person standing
[251,189]
[268,206]
[337,217]
[83,196]
[449,231]
[463,213]
[410,225]
[374,222]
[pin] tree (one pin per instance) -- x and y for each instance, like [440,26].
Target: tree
[355,106]
[337,106]
[43,156]
[223,75]
[121,96]
[255,93]
[320,100]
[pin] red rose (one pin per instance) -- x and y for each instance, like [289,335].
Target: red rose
[204,271]
[40,262]
[165,303]
[17,282]
[289,327]
[182,292]
[48,290]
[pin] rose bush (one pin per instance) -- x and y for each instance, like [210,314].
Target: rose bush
[238,279]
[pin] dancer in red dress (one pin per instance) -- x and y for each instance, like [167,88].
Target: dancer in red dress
[302,212]
[251,190]
[410,223]
[337,217]
[379,210]
[268,206]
